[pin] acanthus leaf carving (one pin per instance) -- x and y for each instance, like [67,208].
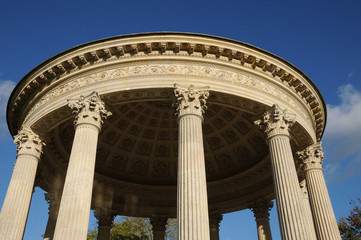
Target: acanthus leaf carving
[261,209]
[28,142]
[311,157]
[190,100]
[276,121]
[89,109]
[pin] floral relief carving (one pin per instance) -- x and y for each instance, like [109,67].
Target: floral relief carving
[201,71]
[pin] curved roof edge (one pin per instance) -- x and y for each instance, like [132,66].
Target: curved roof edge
[163,33]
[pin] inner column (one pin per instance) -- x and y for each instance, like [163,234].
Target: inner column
[293,223]
[73,218]
[192,201]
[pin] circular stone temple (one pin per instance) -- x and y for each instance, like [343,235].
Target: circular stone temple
[165,125]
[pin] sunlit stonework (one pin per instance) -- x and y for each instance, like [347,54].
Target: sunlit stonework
[190,100]
[311,157]
[208,160]
[89,109]
[28,142]
[276,121]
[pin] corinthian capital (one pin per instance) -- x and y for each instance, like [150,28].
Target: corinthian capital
[53,198]
[311,157]
[89,109]
[28,142]
[190,100]
[261,209]
[276,121]
[104,216]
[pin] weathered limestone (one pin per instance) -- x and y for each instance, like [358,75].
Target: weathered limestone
[159,224]
[53,198]
[323,215]
[214,221]
[276,123]
[16,205]
[105,221]
[74,209]
[308,213]
[261,210]
[192,202]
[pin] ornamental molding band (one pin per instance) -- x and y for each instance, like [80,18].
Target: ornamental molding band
[311,158]
[28,143]
[89,110]
[182,139]
[276,121]
[190,100]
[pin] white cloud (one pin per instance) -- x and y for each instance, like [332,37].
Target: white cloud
[342,139]
[6,86]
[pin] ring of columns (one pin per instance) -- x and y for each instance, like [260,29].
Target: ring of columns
[166,125]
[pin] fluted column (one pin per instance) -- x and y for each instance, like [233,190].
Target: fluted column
[276,122]
[214,221]
[306,204]
[322,212]
[53,199]
[159,224]
[74,209]
[192,202]
[261,211]
[105,222]
[16,205]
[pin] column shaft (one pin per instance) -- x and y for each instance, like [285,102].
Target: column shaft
[193,222]
[104,232]
[308,213]
[323,215]
[53,199]
[74,209]
[263,229]
[214,222]
[288,197]
[16,205]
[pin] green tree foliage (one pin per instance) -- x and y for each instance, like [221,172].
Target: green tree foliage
[350,227]
[132,228]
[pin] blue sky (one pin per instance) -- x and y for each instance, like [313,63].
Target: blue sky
[322,38]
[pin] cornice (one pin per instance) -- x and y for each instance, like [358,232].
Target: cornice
[117,48]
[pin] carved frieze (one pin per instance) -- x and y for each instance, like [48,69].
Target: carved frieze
[108,75]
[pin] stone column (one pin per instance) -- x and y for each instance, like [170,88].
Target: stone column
[322,212]
[306,203]
[276,123]
[74,209]
[16,205]
[105,222]
[261,210]
[159,224]
[214,221]
[192,202]
[53,199]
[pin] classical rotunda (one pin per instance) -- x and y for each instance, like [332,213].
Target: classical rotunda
[165,125]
